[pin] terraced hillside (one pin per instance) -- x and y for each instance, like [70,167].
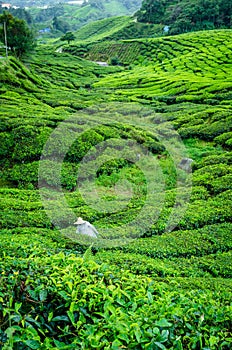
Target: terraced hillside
[102,29]
[115,28]
[159,276]
[159,50]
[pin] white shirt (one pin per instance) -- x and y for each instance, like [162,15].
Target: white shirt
[87,229]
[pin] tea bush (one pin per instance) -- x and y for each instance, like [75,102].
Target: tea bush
[212,265]
[69,302]
[207,240]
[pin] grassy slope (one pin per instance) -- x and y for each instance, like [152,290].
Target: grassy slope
[186,81]
[159,49]
[98,30]
[114,28]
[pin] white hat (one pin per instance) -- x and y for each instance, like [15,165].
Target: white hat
[79,221]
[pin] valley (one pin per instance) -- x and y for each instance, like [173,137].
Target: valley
[105,143]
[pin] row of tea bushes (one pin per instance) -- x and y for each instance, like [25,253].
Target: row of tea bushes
[200,212]
[213,265]
[207,240]
[66,302]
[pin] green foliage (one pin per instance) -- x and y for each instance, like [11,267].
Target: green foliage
[74,17]
[152,11]
[207,240]
[101,29]
[216,178]
[104,51]
[20,13]
[116,28]
[69,36]
[60,25]
[187,15]
[114,61]
[162,290]
[225,139]
[138,30]
[20,38]
[28,142]
[46,14]
[184,102]
[102,308]
[212,265]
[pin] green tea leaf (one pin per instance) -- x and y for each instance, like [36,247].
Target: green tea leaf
[60,318]
[32,344]
[43,295]
[163,323]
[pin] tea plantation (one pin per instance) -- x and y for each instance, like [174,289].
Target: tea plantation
[106,144]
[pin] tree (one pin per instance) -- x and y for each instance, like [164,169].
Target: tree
[114,61]
[20,38]
[69,36]
[60,25]
[152,11]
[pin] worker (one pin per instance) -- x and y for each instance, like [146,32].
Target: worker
[85,228]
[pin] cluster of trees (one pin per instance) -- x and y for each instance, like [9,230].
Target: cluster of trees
[48,13]
[18,12]
[187,15]
[60,24]
[54,15]
[16,35]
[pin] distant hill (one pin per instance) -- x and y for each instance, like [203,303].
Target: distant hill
[187,15]
[102,29]
[74,16]
[116,28]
